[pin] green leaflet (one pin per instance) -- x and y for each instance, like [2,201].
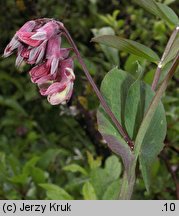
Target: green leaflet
[114,88]
[55,192]
[112,191]
[88,191]
[129,46]
[75,168]
[104,179]
[160,10]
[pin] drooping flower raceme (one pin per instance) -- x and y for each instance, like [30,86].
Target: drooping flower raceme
[38,43]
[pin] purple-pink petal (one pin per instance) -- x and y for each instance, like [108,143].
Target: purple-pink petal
[25,37]
[38,42]
[62,96]
[46,32]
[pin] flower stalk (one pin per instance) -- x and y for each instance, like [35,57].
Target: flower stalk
[98,93]
[38,42]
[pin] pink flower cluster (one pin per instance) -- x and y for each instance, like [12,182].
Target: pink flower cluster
[39,43]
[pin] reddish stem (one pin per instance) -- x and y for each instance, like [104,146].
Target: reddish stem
[166,52]
[98,93]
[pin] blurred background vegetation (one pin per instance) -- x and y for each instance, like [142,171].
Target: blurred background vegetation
[56,152]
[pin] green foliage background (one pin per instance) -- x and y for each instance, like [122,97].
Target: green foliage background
[56,152]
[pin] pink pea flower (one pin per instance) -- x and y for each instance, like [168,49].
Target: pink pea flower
[59,94]
[51,84]
[38,43]
[40,73]
[34,55]
[55,53]
[34,39]
[60,91]
[31,55]
[19,58]
[15,43]
[66,67]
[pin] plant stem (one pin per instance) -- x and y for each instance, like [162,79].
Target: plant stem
[166,51]
[98,93]
[153,106]
[129,180]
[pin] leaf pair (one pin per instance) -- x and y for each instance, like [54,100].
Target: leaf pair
[129,100]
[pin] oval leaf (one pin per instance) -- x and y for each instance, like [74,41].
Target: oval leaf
[101,178]
[113,167]
[129,101]
[114,88]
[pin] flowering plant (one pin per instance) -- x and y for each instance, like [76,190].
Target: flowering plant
[131,116]
[38,43]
